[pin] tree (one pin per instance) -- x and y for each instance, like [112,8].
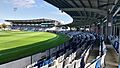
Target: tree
[4,25]
[0,26]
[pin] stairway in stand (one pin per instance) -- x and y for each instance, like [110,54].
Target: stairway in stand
[111,57]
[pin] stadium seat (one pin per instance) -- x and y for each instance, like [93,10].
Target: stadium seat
[76,48]
[67,61]
[53,66]
[45,66]
[60,65]
[86,55]
[77,63]
[102,63]
[91,65]
[66,66]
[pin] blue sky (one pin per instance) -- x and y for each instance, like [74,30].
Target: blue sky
[31,9]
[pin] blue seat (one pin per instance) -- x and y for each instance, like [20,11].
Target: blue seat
[116,46]
[98,63]
[82,63]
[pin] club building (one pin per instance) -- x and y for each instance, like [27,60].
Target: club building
[34,24]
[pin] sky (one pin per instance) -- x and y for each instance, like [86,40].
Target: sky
[31,9]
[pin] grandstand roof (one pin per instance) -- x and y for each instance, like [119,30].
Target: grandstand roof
[33,21]
[85,12]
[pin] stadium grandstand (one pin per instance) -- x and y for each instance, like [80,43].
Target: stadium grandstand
[33,25]
[93,40]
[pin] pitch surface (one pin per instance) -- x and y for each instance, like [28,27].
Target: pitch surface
[15,45]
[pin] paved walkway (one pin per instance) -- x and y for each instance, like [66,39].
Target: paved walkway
[93,54]
[111,58]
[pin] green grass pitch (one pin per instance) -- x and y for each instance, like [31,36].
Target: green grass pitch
[18,44]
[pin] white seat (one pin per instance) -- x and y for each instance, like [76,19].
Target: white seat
[75,55]
[77,63]
[92,65]
[53,66]
[104,47]
[56,62]
[67,66]
[46,66]
[97,57]
[72,56]
[34,67]
[86,55]
[60,65]
[29,66]
[70,66]
[61,58]
[86,65]
[103,61]
[73,64]
[67,60]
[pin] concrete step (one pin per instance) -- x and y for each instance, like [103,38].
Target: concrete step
[111,58]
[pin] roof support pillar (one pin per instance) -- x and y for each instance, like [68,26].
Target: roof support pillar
[70,28]
[109,24]
[77,28]
[96,29]
[92,28]
[84,28]
[101,28]
[114,29]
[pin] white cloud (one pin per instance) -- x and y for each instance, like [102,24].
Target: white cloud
[23,3]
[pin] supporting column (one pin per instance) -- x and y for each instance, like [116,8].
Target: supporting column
[96,28]
[101,27]
[109,23]
[113,32]
[93,27]
[70,28]
[84,28]
[77,28]
[90,28]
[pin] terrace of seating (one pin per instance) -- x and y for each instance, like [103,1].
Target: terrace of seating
[76,54]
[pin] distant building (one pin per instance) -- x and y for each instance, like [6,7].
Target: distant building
[35,24]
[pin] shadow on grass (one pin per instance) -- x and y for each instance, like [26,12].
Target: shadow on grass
[5,35]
